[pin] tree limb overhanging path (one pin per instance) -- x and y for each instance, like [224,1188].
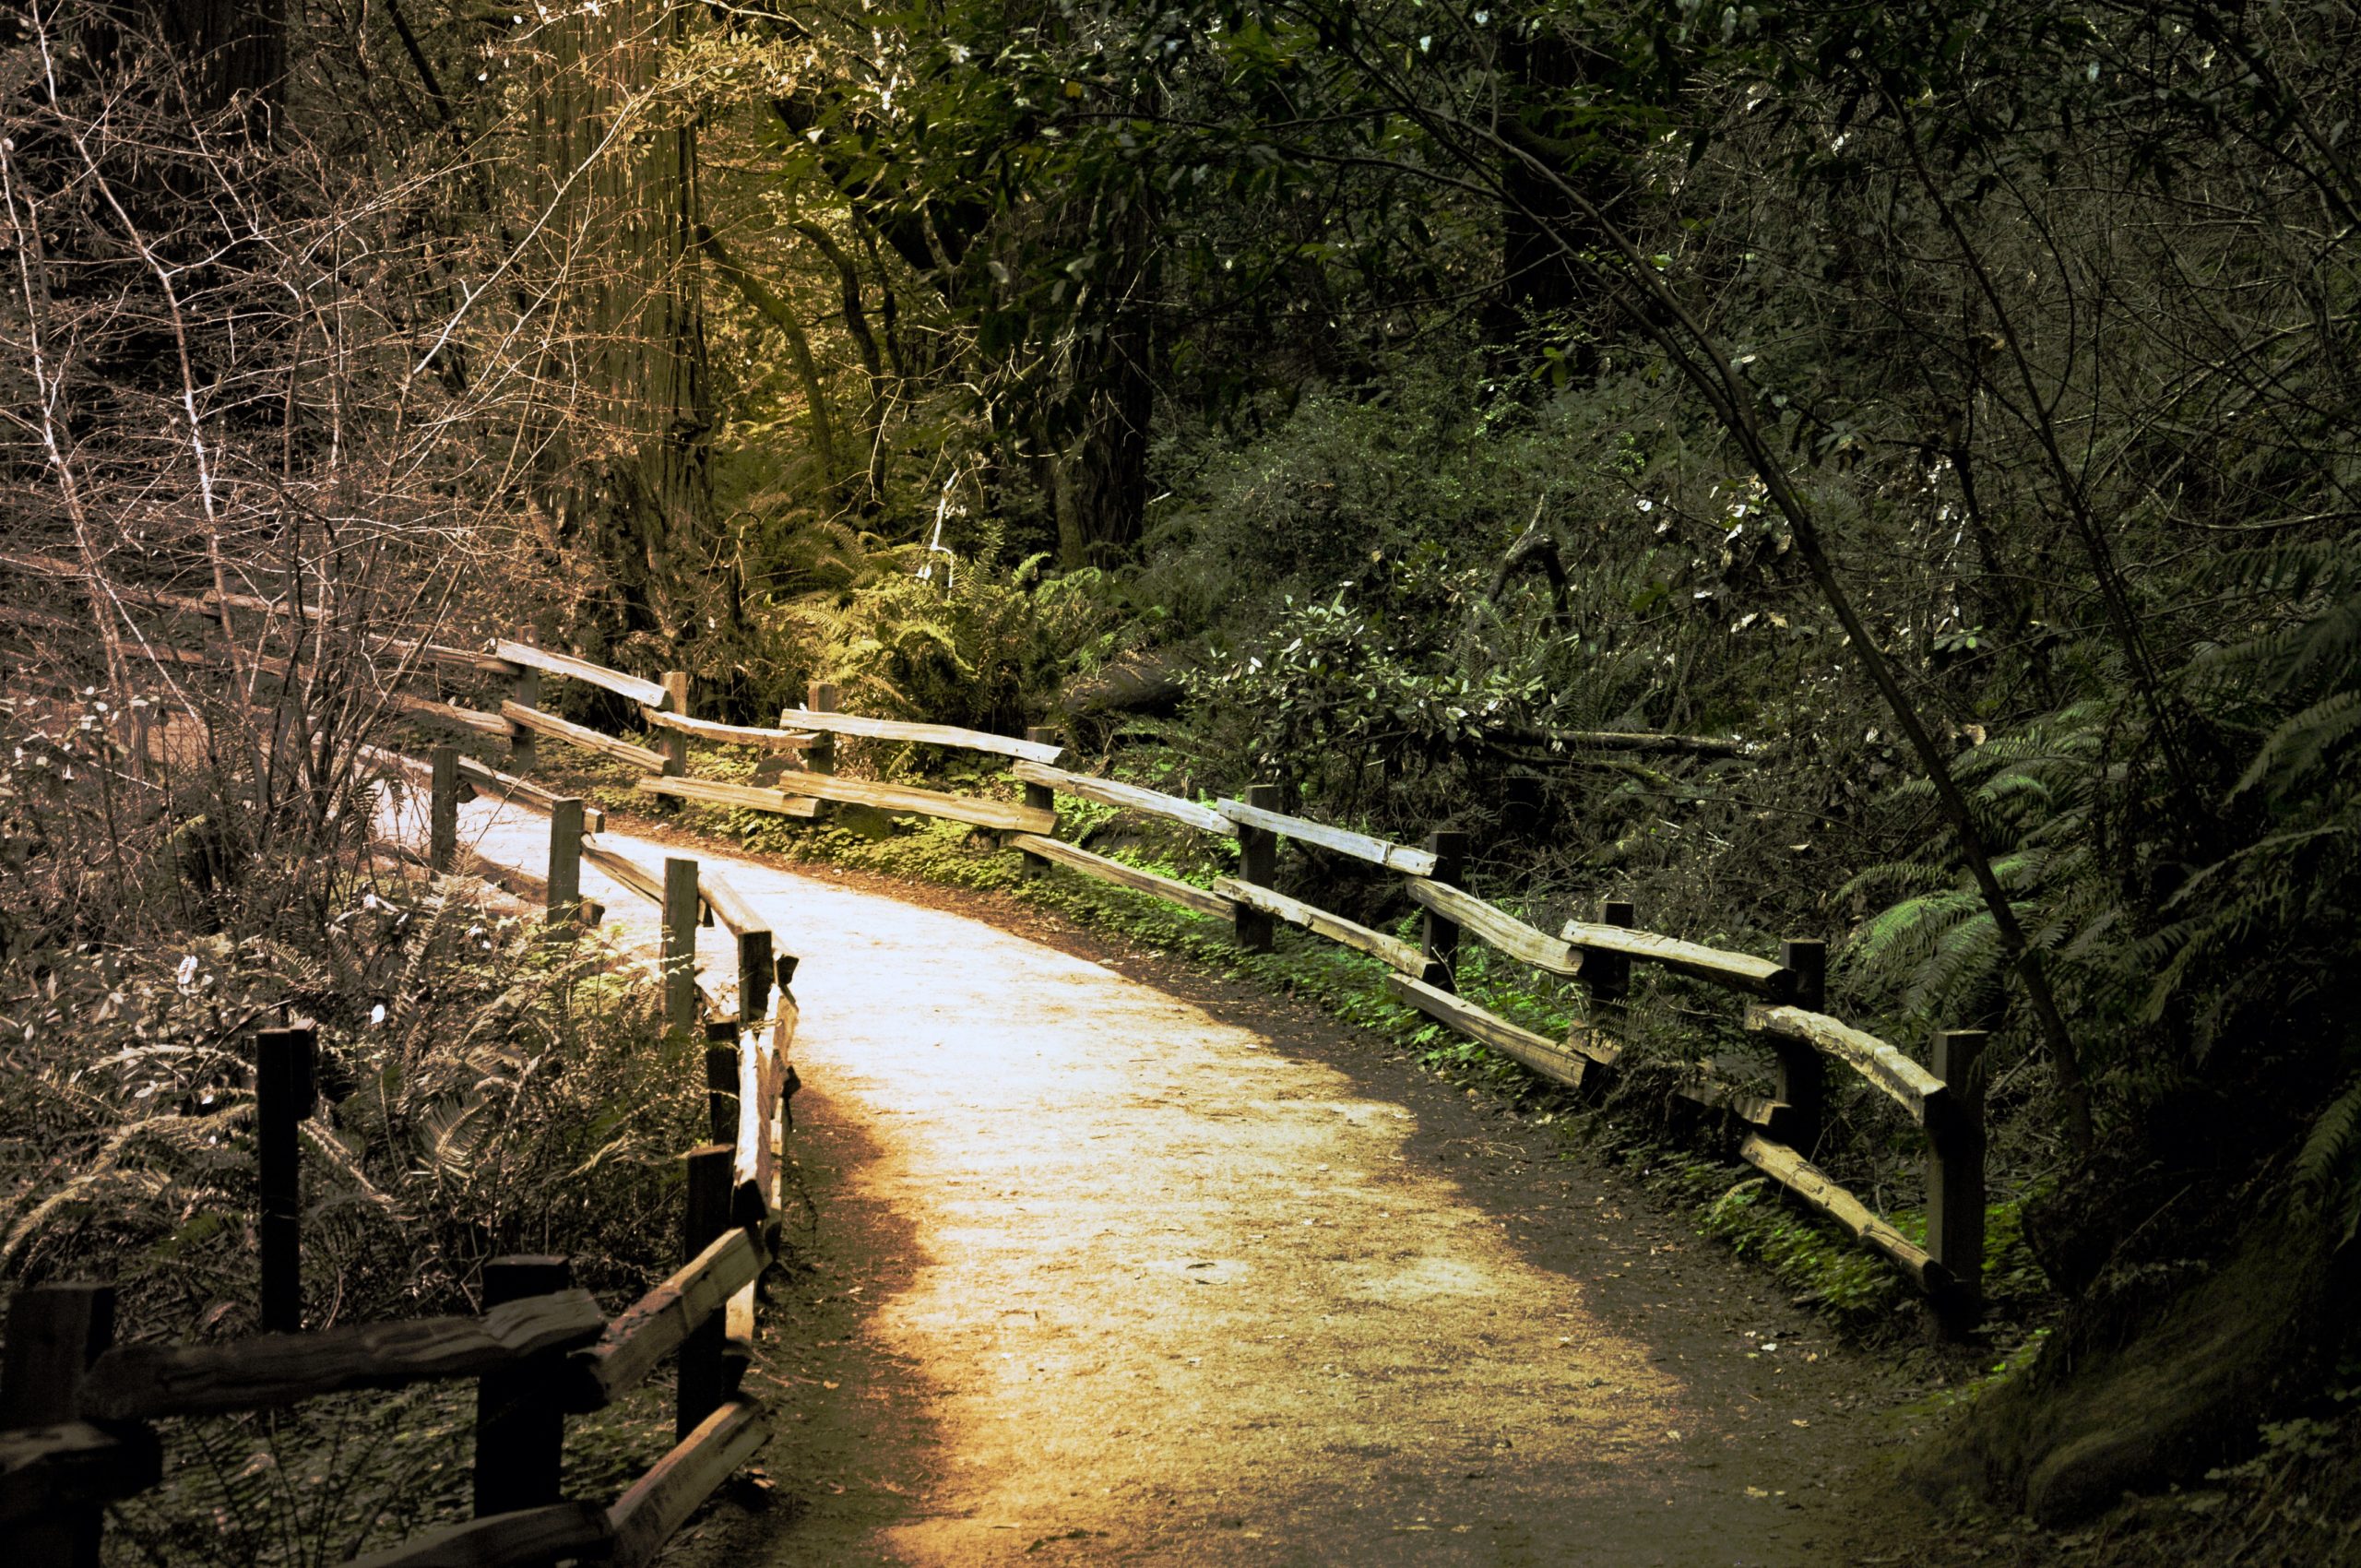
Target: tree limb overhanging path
[1118,1276]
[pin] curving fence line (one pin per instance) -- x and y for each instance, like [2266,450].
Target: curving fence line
[1785,998]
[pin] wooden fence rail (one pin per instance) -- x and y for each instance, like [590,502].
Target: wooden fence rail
[75,1410]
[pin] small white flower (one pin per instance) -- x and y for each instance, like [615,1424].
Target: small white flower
[377,1015]
[1646,505]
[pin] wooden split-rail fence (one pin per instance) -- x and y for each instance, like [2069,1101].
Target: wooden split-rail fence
[1785,998]
[77,1408]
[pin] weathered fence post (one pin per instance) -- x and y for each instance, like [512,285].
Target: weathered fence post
[1441,933]
[753,978]
[704,1216]
[1040,797]
[1258,863]
[526,694]
[520,1429]
[679,951]
[443,810]
[55,1332]
[721,1078]
[1955,1177]
[565,901]
[1801,1078]
[820,755]
[283,1093]
[1609,975]
[674,744]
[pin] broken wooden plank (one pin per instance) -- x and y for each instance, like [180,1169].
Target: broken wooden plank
[1737,971]
[1360,845]
[647,694]
[140,1382]
[580,1530]
[507,788]
[1130,796]
[899,798]
[1182,893]
[1774,1116]
[644,1518]
[924,734]
[1910,1086]
[1538,1052]
[589,740]
[1391,950]
[1808,1182]
[653,1328]
[1504,931]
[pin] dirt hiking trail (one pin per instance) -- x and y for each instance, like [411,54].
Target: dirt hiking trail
[1098,1270]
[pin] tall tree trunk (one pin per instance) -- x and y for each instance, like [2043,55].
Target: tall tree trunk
[630,474]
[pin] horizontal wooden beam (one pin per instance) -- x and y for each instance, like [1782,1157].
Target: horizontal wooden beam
[1391,950]
[1360,845]
[899,798]
[1736,970]
[924,734]
[1775,1117]
[1538,1052]
[589,740]
[729,905]
[653,1328]
[647,694]
[1504,931]
[644,1518]
[508,788]
[623,868]
[44,1470]
[1910,1086]
[1808,1182]
[1182,893]
[579,1530]
[1130,796]
[140,1382]
[730,734]
[472,718]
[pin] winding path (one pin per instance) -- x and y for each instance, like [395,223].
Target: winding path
[1103,1274]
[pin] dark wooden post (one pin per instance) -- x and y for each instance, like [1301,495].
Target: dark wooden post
[1955,1177]
[520,1430]
[753,978]
[1258,863]
[679,951]
[1607,976]
[527,694]
[1441,933]
[55,1332]
[706,1214]
[1042,797]
[284,1092]
[721,1079]
[1802,1080]
[674,744]
[564,902]
[820,755]
[443,810]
